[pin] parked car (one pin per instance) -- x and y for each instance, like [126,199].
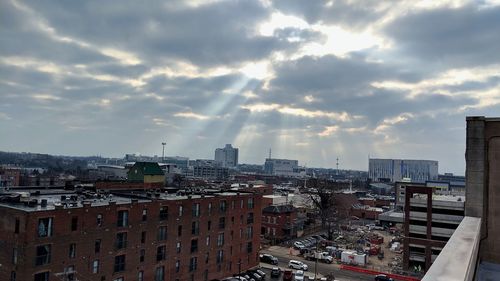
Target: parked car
[275,272]
[297,265]
[261,273]
[383,277]
[254,275]
[299,245]
[267,258]
[299,275]
[287,275]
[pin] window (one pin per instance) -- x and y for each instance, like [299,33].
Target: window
[143,237]
[70,273]
[179,230]
[178,247]
[220,239]
[207,255]
[116,279]
[14,256]
[274,220]
[196,210]
[74,223]
[194,245]
[72,250]
[177,266]
[95,266]
[222,206]
[209,225]
[195,228]
[162,233]
[44,227]
[122,220]
[160,273]
[121,240]
[249,218]
[249,247]
[144,214]
[241,204]
[210,208]
[208,241]
[42,254]
[13,276]
[220,256]
[163,213]
[232,220]
[42,276]
[99,220]
[16,226]
[181,210]
[161,253]
[232,204]
[193,264]
[119,263]
[140,276]
[97,246]
[249,232]
[142,254]
[250,203]
[222,223]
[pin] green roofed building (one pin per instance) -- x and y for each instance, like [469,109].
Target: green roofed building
[146,172]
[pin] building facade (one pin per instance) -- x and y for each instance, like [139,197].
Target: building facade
[393,170]
[61,235]
[279,222]
[429,222]
[227,156]
[281,167]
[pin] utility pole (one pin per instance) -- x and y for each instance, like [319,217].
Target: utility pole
[163,152]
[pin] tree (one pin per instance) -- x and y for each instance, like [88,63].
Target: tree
[323,200]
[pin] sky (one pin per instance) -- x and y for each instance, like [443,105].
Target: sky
[312,80]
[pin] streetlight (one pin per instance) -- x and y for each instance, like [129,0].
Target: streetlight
[163,152]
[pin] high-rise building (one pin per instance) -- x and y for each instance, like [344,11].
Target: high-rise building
[393,170]
[227,156]
[64,235]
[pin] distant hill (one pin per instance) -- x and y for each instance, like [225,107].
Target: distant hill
[55,164]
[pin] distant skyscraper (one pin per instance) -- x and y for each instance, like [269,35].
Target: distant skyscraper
[227,156]
[393,170]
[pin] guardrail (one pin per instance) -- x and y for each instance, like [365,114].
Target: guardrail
[374,272]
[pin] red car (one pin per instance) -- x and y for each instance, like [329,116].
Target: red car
[287,275]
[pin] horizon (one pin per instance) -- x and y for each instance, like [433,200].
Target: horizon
[313,80]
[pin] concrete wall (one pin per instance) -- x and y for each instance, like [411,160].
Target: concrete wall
[483,181]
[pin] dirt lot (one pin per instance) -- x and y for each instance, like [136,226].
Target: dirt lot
[382,265]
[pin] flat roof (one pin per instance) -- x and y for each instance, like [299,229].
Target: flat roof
[68,199]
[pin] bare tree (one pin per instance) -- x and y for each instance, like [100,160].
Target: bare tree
[322,198]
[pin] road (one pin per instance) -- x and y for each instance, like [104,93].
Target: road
[323,268]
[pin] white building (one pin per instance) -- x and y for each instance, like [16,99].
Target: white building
[227,156]
[394,170]
[281,167]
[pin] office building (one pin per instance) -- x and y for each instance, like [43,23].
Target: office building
[281,167]
[64,235]
[393,170]
[227,157]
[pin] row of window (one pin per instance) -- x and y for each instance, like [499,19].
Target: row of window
[45,225]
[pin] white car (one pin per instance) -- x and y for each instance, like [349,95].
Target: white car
[299,245]
[299,275]
[297,265]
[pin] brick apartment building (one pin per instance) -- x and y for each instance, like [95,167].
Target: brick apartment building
[60,235]
[279,222]
[9,176]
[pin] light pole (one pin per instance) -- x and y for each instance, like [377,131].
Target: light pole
[163,152]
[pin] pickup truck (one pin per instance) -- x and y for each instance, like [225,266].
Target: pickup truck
[320,256]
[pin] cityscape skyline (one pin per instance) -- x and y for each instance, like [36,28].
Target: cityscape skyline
[314,81]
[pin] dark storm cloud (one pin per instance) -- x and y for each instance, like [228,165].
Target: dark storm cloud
[212,34]
[458,37]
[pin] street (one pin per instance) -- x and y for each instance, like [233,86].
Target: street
[322,268]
